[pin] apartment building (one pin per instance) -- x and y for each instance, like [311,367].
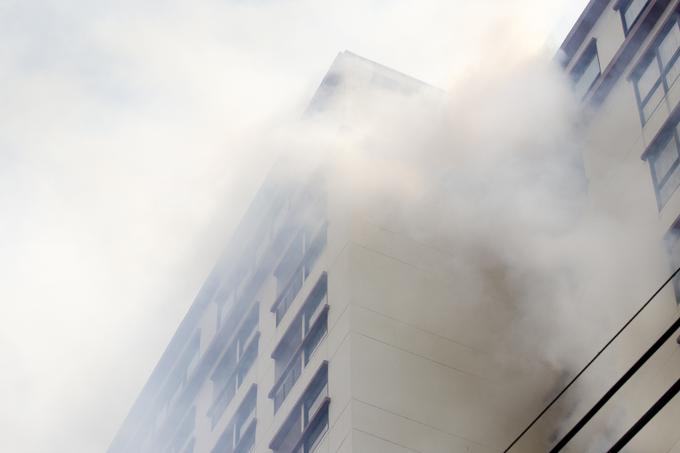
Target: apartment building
[323,330]
[622,56]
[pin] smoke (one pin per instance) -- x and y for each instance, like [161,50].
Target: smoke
[492,175]
[131,141]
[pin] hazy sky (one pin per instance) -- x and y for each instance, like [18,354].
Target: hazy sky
[126,158]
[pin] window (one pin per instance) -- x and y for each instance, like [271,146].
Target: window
[182,441]
[304,429]
[300,342]
[659,70]
[586,71]
[673,243]
[630,10]
[239,436]
[234,365]
[664,163]
[296,266]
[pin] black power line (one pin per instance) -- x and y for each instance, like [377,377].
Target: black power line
[651,412]
[617,386]
[599,353]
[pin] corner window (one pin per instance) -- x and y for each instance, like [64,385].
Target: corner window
[658,72]
[586,71]
[630,11]
[664,164]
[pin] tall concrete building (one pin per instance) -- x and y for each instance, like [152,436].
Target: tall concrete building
[322,330]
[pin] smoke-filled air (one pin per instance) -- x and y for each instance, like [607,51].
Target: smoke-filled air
[133,137]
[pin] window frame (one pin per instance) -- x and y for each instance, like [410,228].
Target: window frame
[623,7]
[313,242]
[311,335]
[235,364]
[230,436]
[306,423]
[578,70]
[671,134]
[671,238]
[653,56]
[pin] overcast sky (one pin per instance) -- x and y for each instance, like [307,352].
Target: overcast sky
[127,156]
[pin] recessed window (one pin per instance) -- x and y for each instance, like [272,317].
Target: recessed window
[299,343]
[304,429]
[658,72]
[295,266]
[183,440]
[673,243]
[664,164]
[586,71]
[234,366]
[239,436]
[630,11]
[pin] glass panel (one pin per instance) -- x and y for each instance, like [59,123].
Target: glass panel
[633,11]
[674,252]
[589,75]
[315,435]
[244,416]
[247,443]
[673,72]
[314,250]
[314,396]
[288,295]
[669,186]
[315,338]
[652,103]
[648,78]
[288,382]
[314,304]
[223,400]
[314,312]
[289,346]
[664,160]
[247,363]
[669,45]
[292,435]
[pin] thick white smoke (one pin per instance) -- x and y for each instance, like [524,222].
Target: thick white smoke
[492,175]
[129,148]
